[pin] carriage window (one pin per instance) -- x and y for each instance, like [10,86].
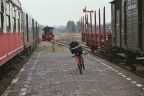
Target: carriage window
[1,16]
[8,23]
[22,23]
[14,25]
[8,16]
[14,20]
[1,6]
[21,26]
[18,21]
[36,29]
[27,27]
[1,22]
[7,8]
[18,25]
[33,27]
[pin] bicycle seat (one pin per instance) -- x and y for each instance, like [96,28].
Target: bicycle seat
[77,54]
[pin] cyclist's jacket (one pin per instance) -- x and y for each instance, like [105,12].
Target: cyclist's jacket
[75,47]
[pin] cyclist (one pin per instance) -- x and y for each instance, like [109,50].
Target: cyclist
[76,49]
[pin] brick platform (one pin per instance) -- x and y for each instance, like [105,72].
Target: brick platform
[55,74]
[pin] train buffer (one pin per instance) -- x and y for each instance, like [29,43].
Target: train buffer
[54,74]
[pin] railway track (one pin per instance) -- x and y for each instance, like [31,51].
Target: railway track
[86,48]
[66,44]
[9,75]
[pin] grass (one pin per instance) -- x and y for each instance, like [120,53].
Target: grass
[48,47]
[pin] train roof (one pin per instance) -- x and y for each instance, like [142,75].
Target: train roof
[16,2]
[48,27]
[26,12]
[112,1]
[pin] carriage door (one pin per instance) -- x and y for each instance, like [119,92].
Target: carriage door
[118,23]
[142,24]
[123,24]
[132,25]
[113,24]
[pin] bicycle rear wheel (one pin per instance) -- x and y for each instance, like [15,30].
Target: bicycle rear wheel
[80,68]
[79,64]
[82,62]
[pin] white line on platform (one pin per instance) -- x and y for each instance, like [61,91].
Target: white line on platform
[133,81]
[15,80]
[120,73]
[22,70]
[123,75]
[23,89]
[129,79]
[22,94]
[139,85]
[94,58]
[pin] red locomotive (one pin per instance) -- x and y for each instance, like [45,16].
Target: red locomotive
[48,33]
[19,33]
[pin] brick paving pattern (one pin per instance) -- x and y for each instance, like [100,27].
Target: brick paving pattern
[55,74]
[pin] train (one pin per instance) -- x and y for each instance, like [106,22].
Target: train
[48,33]
[126,37]
[19,33]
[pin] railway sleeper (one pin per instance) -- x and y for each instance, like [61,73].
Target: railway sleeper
[27,51]
[12,64]
[7,67]
[17,59]
[1,75]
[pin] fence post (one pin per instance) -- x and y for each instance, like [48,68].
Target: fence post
[53,46]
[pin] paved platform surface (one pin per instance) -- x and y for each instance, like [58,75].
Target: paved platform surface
[55,74]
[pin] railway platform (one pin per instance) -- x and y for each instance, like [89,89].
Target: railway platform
[55,74]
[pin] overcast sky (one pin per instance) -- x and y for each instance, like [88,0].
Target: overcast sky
[59,12]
